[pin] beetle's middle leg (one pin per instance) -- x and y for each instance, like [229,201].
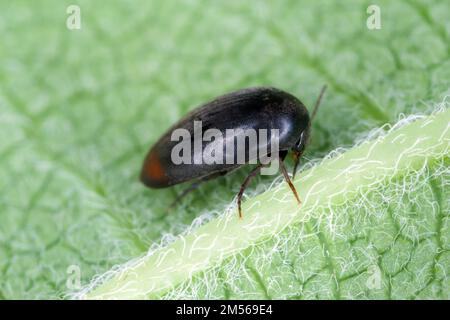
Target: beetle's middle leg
[244,185]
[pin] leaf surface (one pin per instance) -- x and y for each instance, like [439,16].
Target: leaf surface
[80,108]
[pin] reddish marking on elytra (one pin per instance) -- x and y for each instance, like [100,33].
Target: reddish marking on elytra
[153,168]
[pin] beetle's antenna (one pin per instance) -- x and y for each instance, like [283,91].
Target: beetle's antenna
[319,99]
[298,155]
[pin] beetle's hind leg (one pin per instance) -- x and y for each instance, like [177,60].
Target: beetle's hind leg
[183,194]
[194,186]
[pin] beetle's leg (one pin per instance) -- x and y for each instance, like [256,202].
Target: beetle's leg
[282,155]
[191,188]
[184,193]
[296,155]
[288,180]
[244,185]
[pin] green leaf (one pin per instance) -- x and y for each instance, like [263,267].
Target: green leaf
[79,109]
[360,208]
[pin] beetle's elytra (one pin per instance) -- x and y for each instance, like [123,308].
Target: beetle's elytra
[253,108]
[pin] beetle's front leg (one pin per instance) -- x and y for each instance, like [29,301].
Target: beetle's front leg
[286,176]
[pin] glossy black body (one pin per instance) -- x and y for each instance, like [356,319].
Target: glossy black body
[257,108]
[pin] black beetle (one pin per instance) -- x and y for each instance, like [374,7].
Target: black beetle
[255,108]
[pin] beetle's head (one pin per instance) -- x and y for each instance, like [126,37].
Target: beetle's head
[300,145]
